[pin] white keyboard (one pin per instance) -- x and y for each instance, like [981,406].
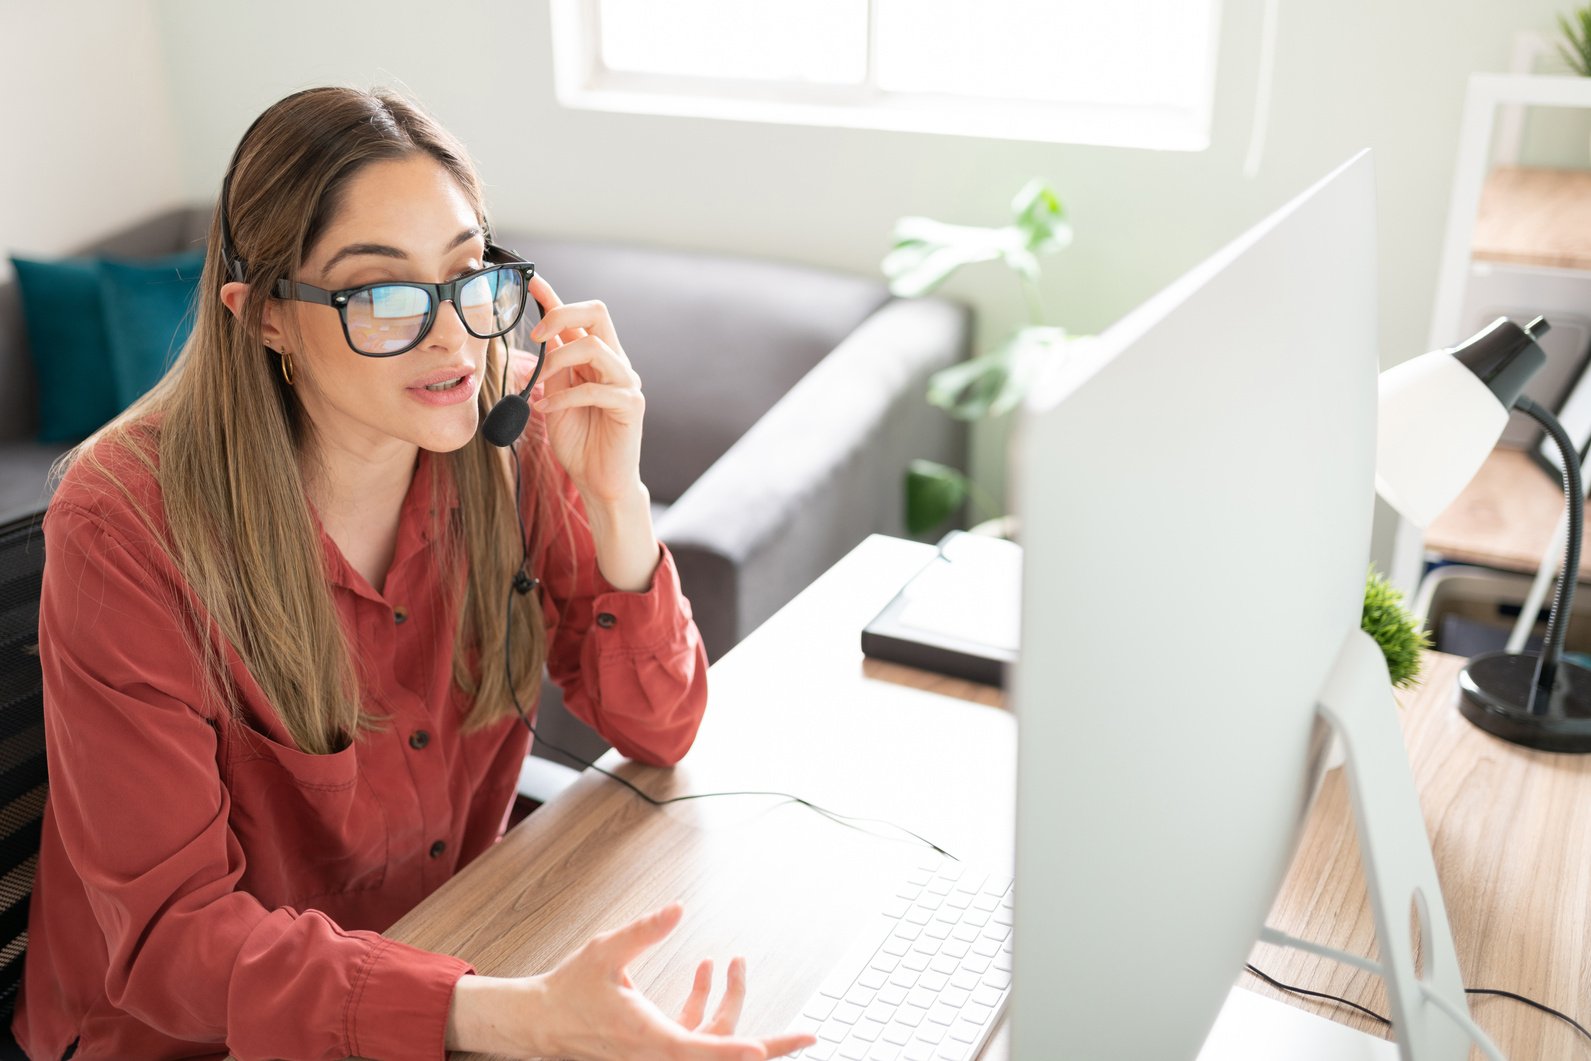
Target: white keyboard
[928,981]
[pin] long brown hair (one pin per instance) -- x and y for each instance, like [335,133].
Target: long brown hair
[224,433]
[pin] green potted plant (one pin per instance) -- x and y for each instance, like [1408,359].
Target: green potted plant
[927,252]
[1575,47]
[1397,631]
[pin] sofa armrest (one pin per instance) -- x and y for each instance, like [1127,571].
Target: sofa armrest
[819,471]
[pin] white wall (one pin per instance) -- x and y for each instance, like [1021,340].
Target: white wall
[86,123]
[1349,74]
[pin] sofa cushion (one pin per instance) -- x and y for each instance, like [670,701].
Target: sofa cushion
[101,332]
[148,307]
[717,339]
[66,334]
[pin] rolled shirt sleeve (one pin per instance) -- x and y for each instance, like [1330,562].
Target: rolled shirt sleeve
[142,816]
[631,665]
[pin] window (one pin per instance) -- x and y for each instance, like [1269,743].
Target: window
[1136,73]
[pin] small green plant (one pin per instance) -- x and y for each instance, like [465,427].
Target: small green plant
[1575,48]
[1395,630]
[926,252]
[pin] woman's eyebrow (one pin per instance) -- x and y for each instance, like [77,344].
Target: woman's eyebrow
[383,250]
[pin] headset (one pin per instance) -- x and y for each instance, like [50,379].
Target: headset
[502,427]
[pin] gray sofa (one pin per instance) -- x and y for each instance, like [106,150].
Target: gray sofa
[783,404]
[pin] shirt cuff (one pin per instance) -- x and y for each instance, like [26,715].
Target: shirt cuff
[640,621]
[400,1004]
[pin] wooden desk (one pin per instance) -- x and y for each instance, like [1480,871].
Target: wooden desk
[1509,829]
[796,707]
[1504,518]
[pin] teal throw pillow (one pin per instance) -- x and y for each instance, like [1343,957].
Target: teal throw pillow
[71,355]
[149,312]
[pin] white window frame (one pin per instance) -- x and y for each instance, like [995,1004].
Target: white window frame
[583,82]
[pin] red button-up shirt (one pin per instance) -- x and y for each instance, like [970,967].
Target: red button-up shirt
[201,884]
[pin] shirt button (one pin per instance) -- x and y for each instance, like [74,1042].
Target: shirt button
[400,614]
[419,739]
[606,620]
[437,848]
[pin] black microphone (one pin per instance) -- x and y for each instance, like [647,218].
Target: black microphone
[507,420]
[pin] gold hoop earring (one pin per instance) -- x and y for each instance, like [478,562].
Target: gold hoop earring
[287,367]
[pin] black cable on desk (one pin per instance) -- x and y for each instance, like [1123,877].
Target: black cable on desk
[1373,1015]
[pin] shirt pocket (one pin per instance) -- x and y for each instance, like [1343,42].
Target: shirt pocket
[310,825]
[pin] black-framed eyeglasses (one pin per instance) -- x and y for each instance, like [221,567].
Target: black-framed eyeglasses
[390,318]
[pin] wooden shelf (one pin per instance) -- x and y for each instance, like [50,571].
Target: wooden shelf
[1531,216]
[1504,518]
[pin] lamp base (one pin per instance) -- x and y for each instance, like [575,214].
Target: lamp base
[1495,695]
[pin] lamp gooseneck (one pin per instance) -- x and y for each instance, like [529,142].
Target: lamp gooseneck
[1563,600]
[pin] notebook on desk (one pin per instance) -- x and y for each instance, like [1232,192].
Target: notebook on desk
[960,615]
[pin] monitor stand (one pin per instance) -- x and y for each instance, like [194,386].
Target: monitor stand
[1400,873]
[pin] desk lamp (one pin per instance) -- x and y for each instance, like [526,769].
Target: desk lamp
[1439,416]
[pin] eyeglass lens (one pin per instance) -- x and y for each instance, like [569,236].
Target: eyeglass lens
[387,318]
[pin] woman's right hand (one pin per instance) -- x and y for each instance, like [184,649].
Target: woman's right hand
[588,1008]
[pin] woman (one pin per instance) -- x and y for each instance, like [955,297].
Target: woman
[273,633]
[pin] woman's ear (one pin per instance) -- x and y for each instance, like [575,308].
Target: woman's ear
[235,295]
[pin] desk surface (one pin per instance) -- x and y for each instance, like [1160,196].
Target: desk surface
[1504,518]
[796,707]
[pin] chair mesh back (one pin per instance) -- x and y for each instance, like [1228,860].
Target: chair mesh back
[22,779]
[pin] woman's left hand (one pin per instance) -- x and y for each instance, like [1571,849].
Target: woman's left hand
[592,397]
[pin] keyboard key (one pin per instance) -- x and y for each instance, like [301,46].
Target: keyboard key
[974,916]
[985,995]
[965,979]
[854,1049]
[999,978]
[883,1051]
[874,977]
[848,1013]
[1001,916]
[880,1012]
[945,963]
[898,1034]
[940,886]
[957,997]
[936,930]
[956,948]
[834,1031]
[986,902]
[986,947]
[893,994]
[931,1031]
[1002,961]
[974,1012]
[919,914]
[822,1051]
[908,931]
[921,996]
[867,1029]
[914,963]
[996,885]
[861,996]
[896,908]
[910,1015]
[957,900]
[965,1031]
[995,931]
[965,933]
[942,1014]
[917,1050]
[906,976]
[933,981]
[895,946]
[926,944]
[950,1050]
[975,962]
[820,1007]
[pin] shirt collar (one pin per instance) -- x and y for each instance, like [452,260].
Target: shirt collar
[431,497]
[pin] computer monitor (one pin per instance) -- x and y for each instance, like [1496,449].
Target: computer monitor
[1195,489]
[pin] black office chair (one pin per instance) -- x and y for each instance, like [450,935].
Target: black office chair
[23,783]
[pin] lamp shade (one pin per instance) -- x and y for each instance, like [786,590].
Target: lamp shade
[1435,424]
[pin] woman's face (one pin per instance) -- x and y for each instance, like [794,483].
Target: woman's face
[399,220]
